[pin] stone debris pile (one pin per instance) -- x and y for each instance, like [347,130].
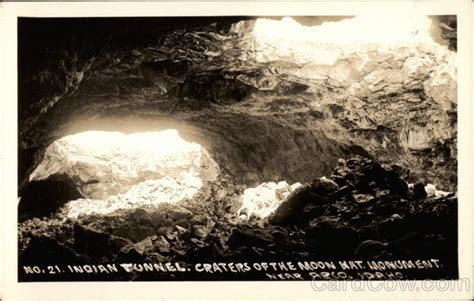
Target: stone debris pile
[149,193]
[363,210]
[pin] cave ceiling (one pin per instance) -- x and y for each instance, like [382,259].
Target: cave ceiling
[264,111]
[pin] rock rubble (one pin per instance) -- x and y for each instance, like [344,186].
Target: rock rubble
[364,210]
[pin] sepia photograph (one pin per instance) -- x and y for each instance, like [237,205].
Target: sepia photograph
[243,148]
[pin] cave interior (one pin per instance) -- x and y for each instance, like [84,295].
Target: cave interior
[188,139]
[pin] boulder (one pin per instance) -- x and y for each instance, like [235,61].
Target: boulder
[249,237]
[323,185]
[162,244]
[419,191]
[176,212]
[135,232]
[430,190]
[43,197]
[46,250]
[363,198]
[289,209]
[96,244]
[371,249]
[140,216]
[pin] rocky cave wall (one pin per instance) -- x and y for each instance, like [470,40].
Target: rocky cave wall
[262,120]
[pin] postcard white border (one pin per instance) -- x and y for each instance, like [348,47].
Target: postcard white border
[12,290]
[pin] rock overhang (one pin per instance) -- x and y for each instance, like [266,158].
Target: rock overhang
[216,75]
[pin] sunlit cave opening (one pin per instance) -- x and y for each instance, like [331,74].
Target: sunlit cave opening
[325,43]
[116,171]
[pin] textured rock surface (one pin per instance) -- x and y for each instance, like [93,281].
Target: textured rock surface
[264,199]
[264,115]
[351,221]
[211,83]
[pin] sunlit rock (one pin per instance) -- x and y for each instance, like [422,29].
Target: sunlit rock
[104,164]
[118,171]
[263,200]
[324,44]
[149,193]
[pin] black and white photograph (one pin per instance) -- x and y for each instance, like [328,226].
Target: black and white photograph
[237,148]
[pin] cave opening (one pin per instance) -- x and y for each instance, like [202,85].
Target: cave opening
[113,170]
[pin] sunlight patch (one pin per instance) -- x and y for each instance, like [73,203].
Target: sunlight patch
[264,199]
[325,43]
[115,171]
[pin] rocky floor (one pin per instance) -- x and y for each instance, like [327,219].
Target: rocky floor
[364,210]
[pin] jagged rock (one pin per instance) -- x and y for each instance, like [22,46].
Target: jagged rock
[169,215]
[363,198]
[249,237]
[129,254]
[96,244]
[371,249]
[398,187]
[279,233]
[140,216]
[177,212]
[200,231]
[41,198]
[382,193]
[162,244]
[144,245]
[159,220]
[290,208]
[430,190]
[419,191]
[135,232]
[47,250]
[323,185]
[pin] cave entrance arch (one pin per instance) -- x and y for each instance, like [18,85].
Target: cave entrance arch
[106,171]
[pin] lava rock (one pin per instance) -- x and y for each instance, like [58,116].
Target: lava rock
[136,252]
[140,216]
[96,244]
[135,232]
[398,187]
[129,254]
[162,244]
[47,250]
[279,233]
[41,198]
[144,245]
[290,208]
[249,237]
[323,185]
[371,249]
[363,198]
[332,242]
[177,212]
[419,191]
